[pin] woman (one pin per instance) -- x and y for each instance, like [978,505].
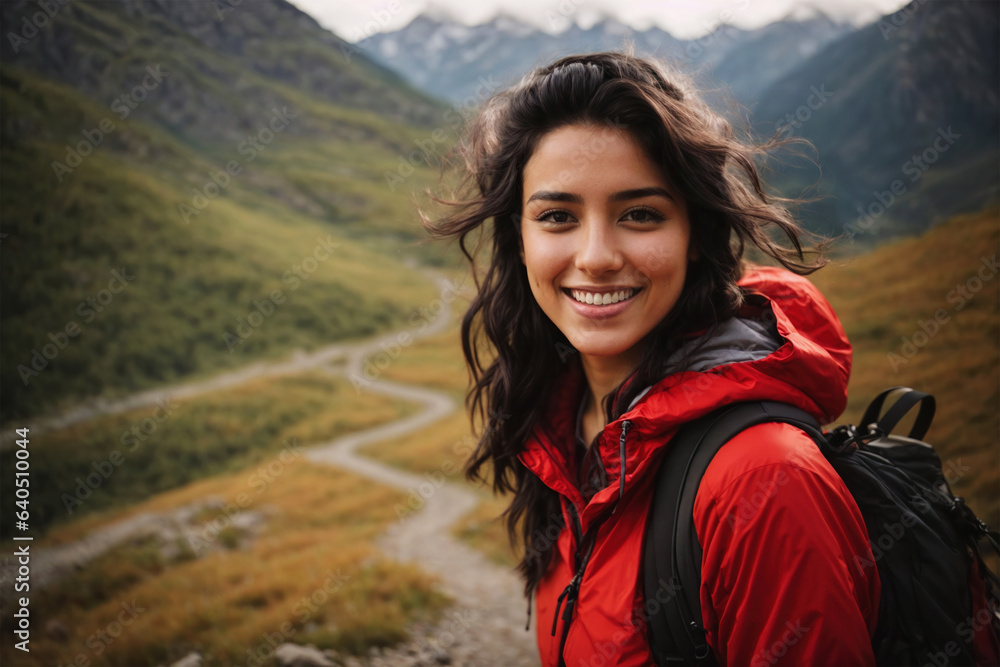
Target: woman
[616,307]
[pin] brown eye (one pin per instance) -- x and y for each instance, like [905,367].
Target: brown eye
[644,215]
[555,216]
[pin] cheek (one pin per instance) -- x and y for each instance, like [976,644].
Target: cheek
[652,259]
[543,259]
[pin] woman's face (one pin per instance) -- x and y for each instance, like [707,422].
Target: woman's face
[604,240]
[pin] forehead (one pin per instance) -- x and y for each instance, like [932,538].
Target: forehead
[587,159]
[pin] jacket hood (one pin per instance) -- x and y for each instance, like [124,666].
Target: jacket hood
[785,345]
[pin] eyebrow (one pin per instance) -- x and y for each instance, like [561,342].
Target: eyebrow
[624,195]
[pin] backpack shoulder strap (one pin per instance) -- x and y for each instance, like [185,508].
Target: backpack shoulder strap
[672,553]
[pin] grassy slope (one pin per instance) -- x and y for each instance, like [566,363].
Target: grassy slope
[198,438]
[192,281]
[311,576]
[318,520]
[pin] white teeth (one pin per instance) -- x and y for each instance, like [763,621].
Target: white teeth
[603,299]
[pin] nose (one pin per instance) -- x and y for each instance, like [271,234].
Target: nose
[598,251]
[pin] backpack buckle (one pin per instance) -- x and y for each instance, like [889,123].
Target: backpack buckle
[841,439]
[874,432]
[847,437]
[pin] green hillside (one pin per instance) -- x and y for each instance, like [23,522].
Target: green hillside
[246,210]
[193,279]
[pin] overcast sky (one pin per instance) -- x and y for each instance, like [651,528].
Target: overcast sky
[682,18]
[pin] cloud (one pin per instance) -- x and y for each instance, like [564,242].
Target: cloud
[685,19]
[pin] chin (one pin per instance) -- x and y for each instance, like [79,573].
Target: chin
[602,345]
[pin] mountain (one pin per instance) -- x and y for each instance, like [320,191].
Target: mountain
[903,115]
[463,63]
[759,57]
[228,63]
[877,102]
[189,186]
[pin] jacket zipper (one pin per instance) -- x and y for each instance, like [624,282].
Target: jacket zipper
[569,593]
[572,591]
[621,472]
[576,527]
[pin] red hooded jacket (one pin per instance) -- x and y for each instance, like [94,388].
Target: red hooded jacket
[782,537]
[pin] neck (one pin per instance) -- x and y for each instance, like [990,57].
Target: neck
[603,375]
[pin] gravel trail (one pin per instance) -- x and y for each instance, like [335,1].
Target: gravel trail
[486,627]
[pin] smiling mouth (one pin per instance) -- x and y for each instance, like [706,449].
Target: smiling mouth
[602,298]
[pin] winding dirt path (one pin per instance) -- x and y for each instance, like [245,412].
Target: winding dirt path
[485,627]
[299,363]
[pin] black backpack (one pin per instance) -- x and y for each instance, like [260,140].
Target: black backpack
[924,539]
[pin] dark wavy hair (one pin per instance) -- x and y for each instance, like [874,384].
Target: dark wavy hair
[511,347]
